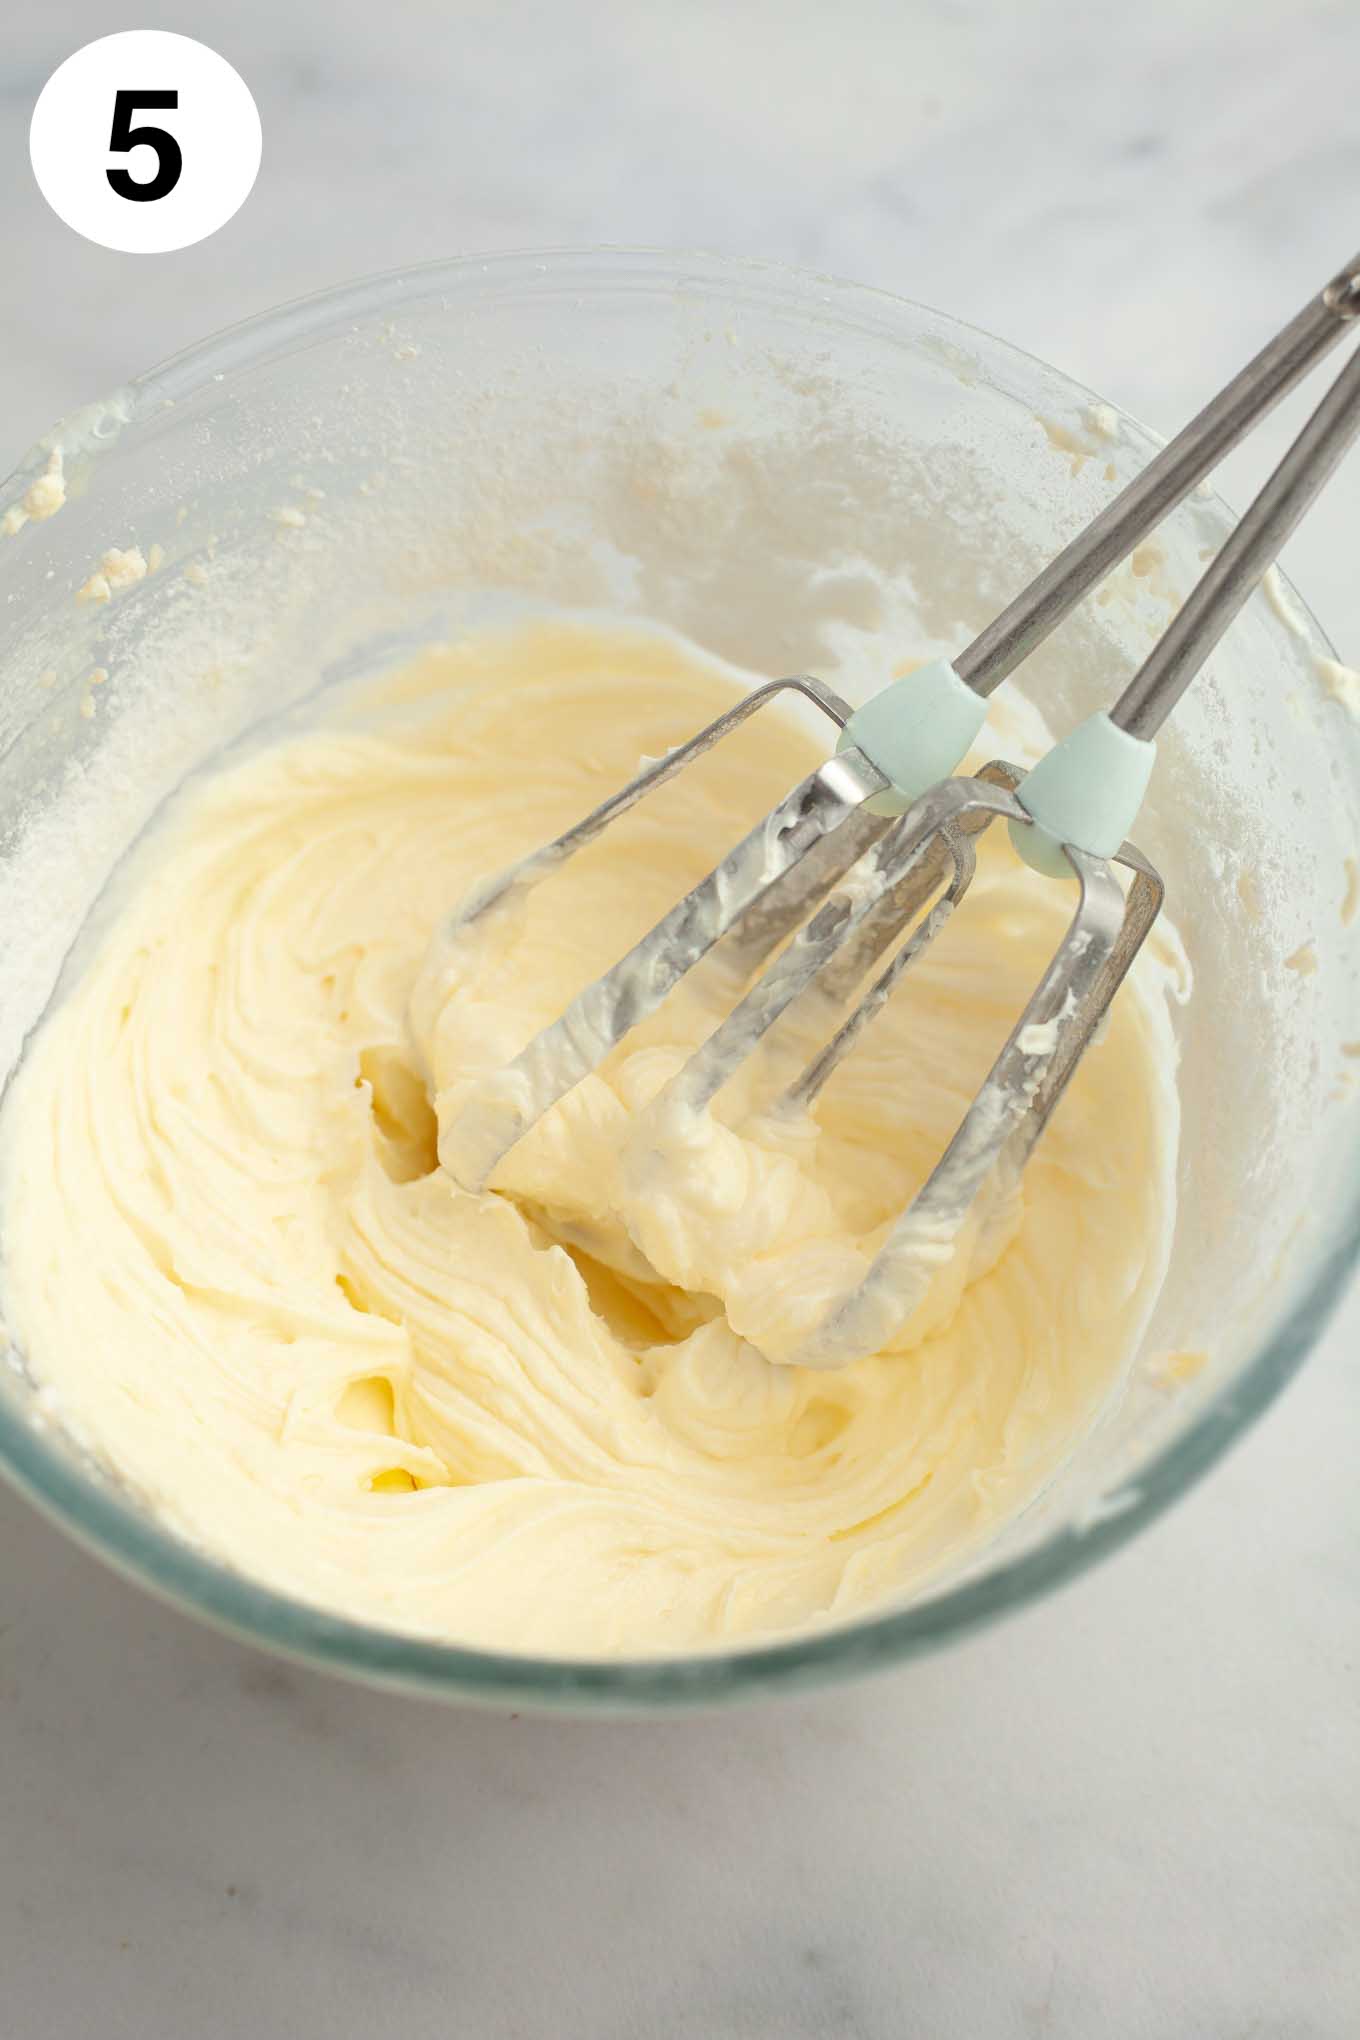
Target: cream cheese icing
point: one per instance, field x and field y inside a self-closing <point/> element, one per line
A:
<point x="528" y="1418"/>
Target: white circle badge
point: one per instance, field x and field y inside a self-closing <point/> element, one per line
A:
<point x="145" y="141"/>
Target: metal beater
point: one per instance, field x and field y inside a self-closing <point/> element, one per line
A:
<point x="852" y="856"/>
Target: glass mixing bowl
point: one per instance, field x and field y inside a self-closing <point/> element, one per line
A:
<point x="796" y="473"/>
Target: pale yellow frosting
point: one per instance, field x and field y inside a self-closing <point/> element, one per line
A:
<point x="524" y="1418"/>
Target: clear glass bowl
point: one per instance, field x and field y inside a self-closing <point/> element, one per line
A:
<point x="795" y="472"/>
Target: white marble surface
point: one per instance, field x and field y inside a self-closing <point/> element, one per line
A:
<point x="1133" y="1812"/>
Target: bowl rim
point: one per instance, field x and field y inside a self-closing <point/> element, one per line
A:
<point x="136" y="1544"/>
